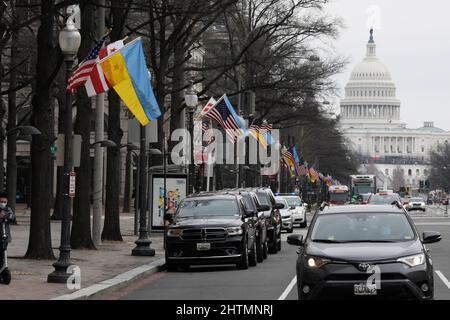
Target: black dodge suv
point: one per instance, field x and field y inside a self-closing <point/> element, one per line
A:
<point x="211" y="229"/>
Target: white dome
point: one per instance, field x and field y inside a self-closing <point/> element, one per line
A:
<point x="370" y="69"/>
<point x="370" y="95"/>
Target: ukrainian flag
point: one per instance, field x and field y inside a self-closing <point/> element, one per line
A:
<point x="126" y="71"/>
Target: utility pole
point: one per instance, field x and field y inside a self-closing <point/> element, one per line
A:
<point x="98" y="151"/>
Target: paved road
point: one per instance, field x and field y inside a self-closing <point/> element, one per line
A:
<point x="275" y="278"/>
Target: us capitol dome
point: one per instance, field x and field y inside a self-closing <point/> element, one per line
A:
<point x="370" y="121"/>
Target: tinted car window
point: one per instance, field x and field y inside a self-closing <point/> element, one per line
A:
<point x="248" y="201"/>
<point x="263" y="198"/>
<point x="207" y="207"/>
<point x="362" y="226"/>
<point x="383" y="199"/>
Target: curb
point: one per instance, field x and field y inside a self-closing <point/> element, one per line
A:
<point x="110" y="285"/>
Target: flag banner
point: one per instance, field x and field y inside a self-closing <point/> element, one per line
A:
<point x="266" y="129"/>
<point x="97" y="83"/>
<point x="255" y="131"/>
<point x="289" y="159"/>
<point x="208" y="106"/>
<point x="223" y="112"/>
<point x="126" y="71"/>
<point x="82" y="73"/>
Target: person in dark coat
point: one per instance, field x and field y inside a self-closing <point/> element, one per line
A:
<point x="6" y="214"/>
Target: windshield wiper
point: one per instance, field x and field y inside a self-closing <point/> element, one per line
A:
<point x="326" y="241"/>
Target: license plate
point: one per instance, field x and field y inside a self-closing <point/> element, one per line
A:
<point x="203" y="246"/>
<point x="365" y="290"/>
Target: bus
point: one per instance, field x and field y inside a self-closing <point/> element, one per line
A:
<point x="338" y="194"/>
<point x="363" y="184"/>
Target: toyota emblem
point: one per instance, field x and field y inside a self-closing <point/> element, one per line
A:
<point x="364" y="266"/>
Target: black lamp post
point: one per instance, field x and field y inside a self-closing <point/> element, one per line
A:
<point x="191" y="101"/>
<point x="69" y="41"/>
<point x="143" y="243"/>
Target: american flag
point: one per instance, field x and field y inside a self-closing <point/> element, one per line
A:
<point x="224" y="116"/>
<point x="81" y="74"/>
<point x="208" y="136"/>
<point x="288" y="159"/>
<point x="97" y="83"/>
<point x="257" y="132"/>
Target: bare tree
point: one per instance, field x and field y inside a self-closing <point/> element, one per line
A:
<point x="398" y="179"/>
<point x="440" y="167"/>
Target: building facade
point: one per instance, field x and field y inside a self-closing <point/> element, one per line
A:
<point x="370" y="121"/>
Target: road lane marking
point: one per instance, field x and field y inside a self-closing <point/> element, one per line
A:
<point x="288" y="289"/>
<point x="443" y="278"/>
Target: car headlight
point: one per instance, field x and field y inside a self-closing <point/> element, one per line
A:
<point x="234" y="231"/>
<point x="315" y="262"/>
<point x="174" y="232"/>
<point x="413" y="261"/>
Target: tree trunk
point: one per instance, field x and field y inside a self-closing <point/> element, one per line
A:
<point x="48" y="61"/>
<point x="111" y="227"/>
<point x="11" y="162"/>
<point x="81" y="223"/>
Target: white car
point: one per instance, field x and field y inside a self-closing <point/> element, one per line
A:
<point x="287" y="218"/>
<point x="416" y="204"/>
<point x="299" y="210"/>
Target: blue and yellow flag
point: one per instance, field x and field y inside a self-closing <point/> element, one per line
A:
<point x="126" y="71"/>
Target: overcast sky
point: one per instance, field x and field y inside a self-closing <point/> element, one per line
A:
<point x="413" y="41"/>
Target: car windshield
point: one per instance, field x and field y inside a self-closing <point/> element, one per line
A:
<point x="362" y="227"/>
<point x="200" y="208"/>
<point x="383" y="199"/>
<point x="263" y="198"/>
<point x="416" y="200"/>
<point x="293" y="201"/>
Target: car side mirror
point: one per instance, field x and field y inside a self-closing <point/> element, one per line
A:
<point x="249" y="214"/>
<point x="168" y="217"/>
<point x="263" y="207"/>
<point x="431" y="237"/>
<point x="278" y="206"/>
<point x="295" y="240"/>
<point x="293" y="207"/>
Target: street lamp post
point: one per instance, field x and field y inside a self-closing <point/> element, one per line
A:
<point x="69" y="41"/>
<point x="191" y="101"/>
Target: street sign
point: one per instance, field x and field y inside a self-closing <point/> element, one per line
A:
<point x="76" y="150"/>
<point x="72" y="184"/>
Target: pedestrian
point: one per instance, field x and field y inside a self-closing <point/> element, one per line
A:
<point x="6" y="214"/>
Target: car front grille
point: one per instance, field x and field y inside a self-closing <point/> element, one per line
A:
<point x="203" y="234"/>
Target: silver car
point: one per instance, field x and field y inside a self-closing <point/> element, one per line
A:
<point x="298" y="210"/>
<point x="416" y="204"/>
<point x="287" y="218"/>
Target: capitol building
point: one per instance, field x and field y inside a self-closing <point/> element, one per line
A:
<point x="370" y="121"/>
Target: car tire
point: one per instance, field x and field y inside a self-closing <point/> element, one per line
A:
<point x="171" y="267"/>
<point x="273" y="248"/>
<point x="265" y="250"/>
<point x="291" y="229"/>
<point x="279" y="245"/>
<point x="6" y="277"/>
<point x="259" y="251"/>
<point x="252" y="257"/>
<point x="304" y="224"/>
<point x="243" y="265"/>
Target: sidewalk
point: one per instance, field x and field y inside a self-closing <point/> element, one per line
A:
<point x="29" y="277"/>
